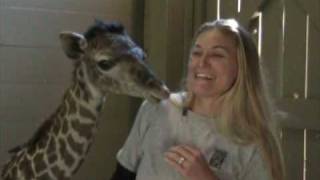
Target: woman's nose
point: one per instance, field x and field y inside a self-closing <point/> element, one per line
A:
<point x="203" y="60"/>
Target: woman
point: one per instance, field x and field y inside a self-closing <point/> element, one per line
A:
<point x="219" y="128"/>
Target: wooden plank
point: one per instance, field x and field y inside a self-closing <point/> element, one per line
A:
<point x="314" y="62"/>
<point x="312" y="7"/>
<point x="228" y="8"/>
<point x="294" y="51"/>
<point x="313" y="155"/>
<point x="83" y="6"/>
<point x="164" y="38"/>
<point x="138" y="21"/>
<point x="199" y="15"/>
<point x="175" y="48"/>
<point x="271" y="53"/>
<point x="188" y="30"/>
<point x="293" y="140"/>
<point x="300" y="113"/>
<point x="248" y="7"/>
<point x="155" y="35"/>
<point x="211" y="10"/>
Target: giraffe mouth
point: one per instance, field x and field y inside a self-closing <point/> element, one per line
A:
<point x="158" y="94"/>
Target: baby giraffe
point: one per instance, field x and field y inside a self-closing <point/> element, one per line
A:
<point x="105" y="60"/>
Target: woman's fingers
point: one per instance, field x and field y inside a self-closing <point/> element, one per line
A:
<point x="181" y="158"/>
<point x="173" y="159"/>
<point x="182" y="151"/>
<point x="189" y="162"/>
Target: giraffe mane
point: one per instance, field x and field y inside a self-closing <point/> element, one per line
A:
<point x="100" y="28"/>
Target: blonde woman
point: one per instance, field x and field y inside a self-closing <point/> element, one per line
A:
<point x="218" y="128"/>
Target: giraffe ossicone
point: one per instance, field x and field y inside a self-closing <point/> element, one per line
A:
<point x="105" y="61"/>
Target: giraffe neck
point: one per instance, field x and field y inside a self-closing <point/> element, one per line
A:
<point x="76" y="124"/>
<point x="59" y="147"/>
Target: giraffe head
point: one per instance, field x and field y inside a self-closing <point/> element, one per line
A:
<point x="107" y="58"/>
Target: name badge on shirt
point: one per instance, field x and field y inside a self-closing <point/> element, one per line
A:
<point x="218" y="158"/>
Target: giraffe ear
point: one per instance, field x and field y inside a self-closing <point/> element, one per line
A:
<point x="73" y="44"/>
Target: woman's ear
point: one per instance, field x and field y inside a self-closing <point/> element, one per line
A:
<point x="73" y="44"/>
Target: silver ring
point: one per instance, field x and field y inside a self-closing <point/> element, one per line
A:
<point x="181" y="160"/>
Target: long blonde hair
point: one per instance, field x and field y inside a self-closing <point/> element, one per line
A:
<point x="246" y="114"/>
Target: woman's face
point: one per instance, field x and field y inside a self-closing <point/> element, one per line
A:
<point x="213" y="67"/>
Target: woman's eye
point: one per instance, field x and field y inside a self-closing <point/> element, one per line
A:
<point x="106" y="64"/>
<point x="196" y="53"/>
<point x="217" y="55"/>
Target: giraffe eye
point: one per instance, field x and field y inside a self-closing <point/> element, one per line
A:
<point x="106" y="64"/>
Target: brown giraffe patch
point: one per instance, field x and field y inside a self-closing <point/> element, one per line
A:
<point x="77" y="90"/>
<point x="76" y="147"/>
<point x="84" y="92"/>
<point x="57" y="126"/>
<point x="40" y="164"/>
<point x="66" y="105"/>
<point x="81" y="85"/>
<point x="53" y="157"/>
<point x="26" y="167"/>
<point x="44" y="176"/>
<point x="84" y="130"/>
<point x="58" y="173"/>
<point x="86" y="96"/>
<point x="51" y="146"/>
<point x="65" y="127"/>
<point x="80" y="73"/>
<point x="62" y="111"/>
<point x="72" y="105"/>
<point x="15" y="172"/>
<point x="32" y="150"/>
<point x="65" y="155"/>
<point x="5" y="168"/>
<point x="78" y="166"/>
<point x="84" y="112"/>
<point x="43" y="141"/>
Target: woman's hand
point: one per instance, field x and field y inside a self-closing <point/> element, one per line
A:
<point x="190" y="163"/>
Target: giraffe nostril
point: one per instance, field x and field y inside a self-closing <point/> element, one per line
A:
<point x="150" y="82"/>
<point x="143" y="77"/>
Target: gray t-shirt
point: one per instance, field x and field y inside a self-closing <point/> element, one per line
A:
<point x="160" y="126"/>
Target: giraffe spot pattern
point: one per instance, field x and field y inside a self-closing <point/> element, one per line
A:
<point x="15" y="173"/>
<point x="86" y="96"/>
<point x="56" y="126"/>
<point x="62" y="111"/>
<point x="43" y="141"/>
<point x="80" y="73"/>
<point x="44" y="176"/>
<point x="32" y="150"/>
<point x="76" y="147"/>
<point x="58" y="173"/>
<point x="65" y="155"/>
<point x="26" y="168"/>
<point x="84" y="112"/>
<point x="51" y="146"/>
<point x="65" y="127"/>
<point x="52" y="151"/>
<point x="84" y="130"/>
<point x="72" y="105"/>
<point x="78" y="166"/>
<point x="52" y="158"/>
<point x="40" y="164"/>
<point x="77" y="90"/>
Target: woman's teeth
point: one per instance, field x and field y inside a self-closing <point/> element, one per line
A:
<point x="203" y="76"/>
